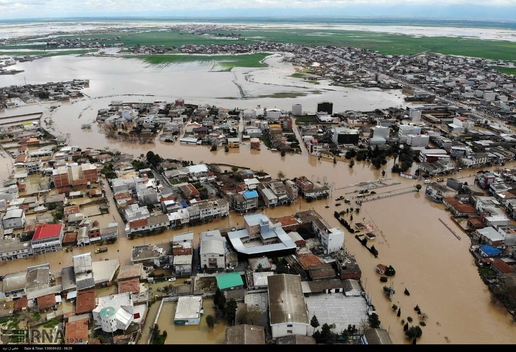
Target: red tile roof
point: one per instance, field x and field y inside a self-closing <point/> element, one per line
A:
<point x="309" y="260"/>
<point x="71" y="209"/>
<point x="129" y="285"/>
<point x="502" y="266"/>
<point x="47" y="231"/>
<point x="85" y="301"/>
<point x="21" y="303"/>
<point x="76" y="331"/>
<point x="46" y="301"/>
<point x="138" y="223"/>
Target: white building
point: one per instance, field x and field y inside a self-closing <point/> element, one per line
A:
<point x="288" y="314"/>
<point x="114" y="312"/>
<point x="415" y="115"/>
<point x="13" y="219"/>
<point x="460" y="124"/>
<point x="332" y="240"/>
<point x="213" y="250"/>
<point x="273" y="113"/>
<point x="188" y="310"/>
<point x="407" y="129"/>
<point x="297" y="109"/>
<point x="418" y="140"/>
<point x="47" y="238"/>
<point x="135" y="212"/>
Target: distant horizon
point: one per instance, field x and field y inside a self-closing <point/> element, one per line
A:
<point x="370" y="20"/>
<point x="502" y="13"/>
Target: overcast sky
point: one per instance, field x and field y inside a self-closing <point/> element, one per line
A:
<point x="472" y="9"/>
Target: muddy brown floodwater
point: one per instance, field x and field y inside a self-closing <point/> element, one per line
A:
<point x="432" y="264"/>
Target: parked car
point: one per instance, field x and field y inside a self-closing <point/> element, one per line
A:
<point x="172" y="279"/>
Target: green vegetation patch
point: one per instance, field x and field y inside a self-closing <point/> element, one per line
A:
<point x="306" y="120"/>
<point x="506" y="70"/>
<point x="384" y="43"/>
<point x="282" y="95"/>
<point x="389" y="43"/>
<point x="226" y="61"/>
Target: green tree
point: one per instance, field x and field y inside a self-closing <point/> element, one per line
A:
<point x="418" y="187"/>
<point x="374" y="321"/>
<point x="210" y="320"/>
<point x="252" y="316"/>
<point x="230" y="311"/>
<point x="390" y="271"/>
<point x="327" y="335"/>
<point x="414" y="332"/>
<point x="219" y="299"/>
<point x="314" y="322"/>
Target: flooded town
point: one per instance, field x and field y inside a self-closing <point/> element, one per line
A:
<point x="335" y="196"/>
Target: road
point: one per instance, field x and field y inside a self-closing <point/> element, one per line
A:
<point x="113" y="208"/>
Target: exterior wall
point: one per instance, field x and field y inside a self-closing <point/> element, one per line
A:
<point x="61" y="180"/>
<point x="15" y="254"/>
<point x="332" y="241"/>
<point x="213" y="261"/>
<point x="14" y="223"/>
<point x="287" y="329"/>
<point x="40" y="247"/>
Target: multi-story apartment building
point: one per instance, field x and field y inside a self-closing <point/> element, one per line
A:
<point x="47" y="238"/>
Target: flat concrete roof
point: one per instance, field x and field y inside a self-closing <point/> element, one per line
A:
<point x="337" y="309"/>
<point x="188" y="307"/>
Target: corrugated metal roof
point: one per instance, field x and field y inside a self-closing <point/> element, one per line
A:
<point x="286" y="299"/>
<point x="229" y="280"/>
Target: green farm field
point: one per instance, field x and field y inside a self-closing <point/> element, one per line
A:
<point x="384" y="43"/>
<point x="226" y="61"/>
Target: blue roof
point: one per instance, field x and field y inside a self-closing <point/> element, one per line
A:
<point x="183" y="203"/>
<point x="250" y="194"/>
<point x="490" y="250"/>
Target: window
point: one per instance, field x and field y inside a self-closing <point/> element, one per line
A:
<point x="289" y="325"/>
<point x="289" y="331"/>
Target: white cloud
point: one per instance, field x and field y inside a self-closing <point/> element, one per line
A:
<point x="60" y="8"/>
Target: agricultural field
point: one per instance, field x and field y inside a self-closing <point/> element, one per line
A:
<point x="506" y="70"/>
<point x="225" y="61"/>
<point x="384" y="43"/>
<point x="389" y="44"/>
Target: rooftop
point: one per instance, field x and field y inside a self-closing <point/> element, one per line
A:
<point x="47" y="231"/>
